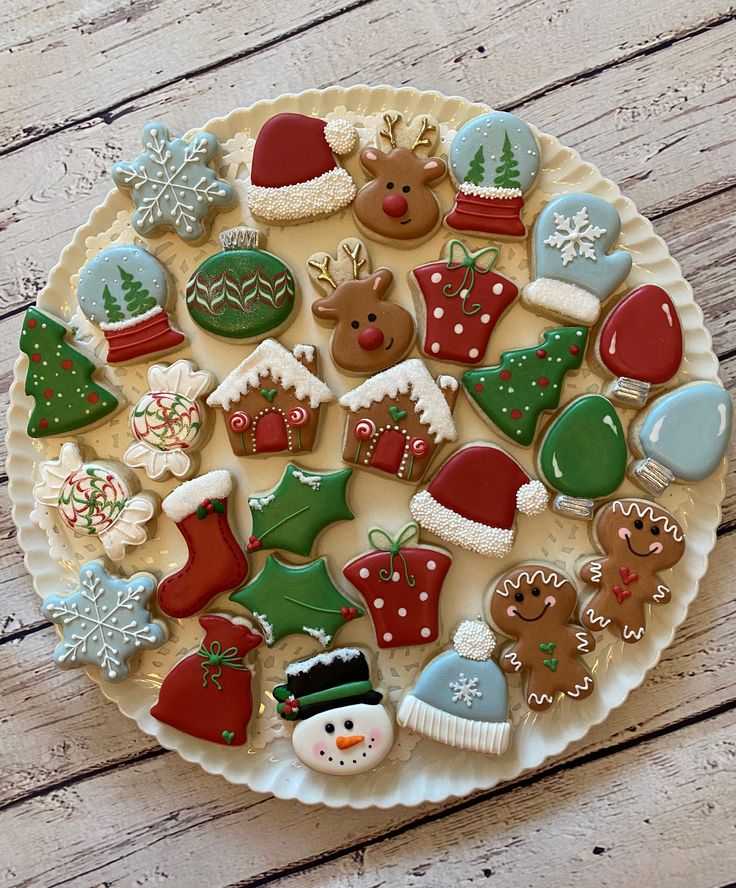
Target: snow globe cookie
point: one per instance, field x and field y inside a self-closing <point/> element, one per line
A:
<point x="341" y="726"/>
<point x="242" y="293"/>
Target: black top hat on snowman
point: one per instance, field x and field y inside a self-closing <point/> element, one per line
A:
<point x="326" y="681"/>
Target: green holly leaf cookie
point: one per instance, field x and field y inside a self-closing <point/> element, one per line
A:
<point x="293" y="514"/>
<point x="291" y="599"/>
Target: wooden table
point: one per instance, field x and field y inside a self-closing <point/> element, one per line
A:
<point x="645" y="90"/>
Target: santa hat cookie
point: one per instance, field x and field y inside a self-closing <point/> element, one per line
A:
<point x="294" y="175"/>
<point x="460" y="697"/>
<point x="473" y="499"/>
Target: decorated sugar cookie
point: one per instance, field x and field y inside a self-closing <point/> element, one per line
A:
<point x="272" y="400"/>
<point x="172" y="184"/>
<point x="208" y="694"/>
<point x="473" y="499"/>
<point x="459" y="300"/>
<point x="575" y="266"/>
<point x="294" y="513"/>
<point x="242" y="293"/>
<point x="288" y="599"/>
<point x="401" y="584"/>
<point x="682" y="436"/>
<point x="124" y="290"/>
<point x="294" y="176"/>
<point x="97" y="498"/>
<point x="534" y="604"/>
<point x="527" y="382"/>
<point x="637" y="539"/>
<point x="460" y="697"/>
<point x="215" y="562"/>
<point x="397" y="419"/>
<point x="583" y="455"/>
<point x="105" y="622"/>
<point x="640" y="345"/>
<point x="494" y="161"/>
<point x="341" y="727"/>
<point x="398" y="206"/>
<point x="168" y="424"/>
<point x="59" y="378"/>
<point x="371" y="332"/>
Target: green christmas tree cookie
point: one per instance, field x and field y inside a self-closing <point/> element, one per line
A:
<point x="59" y="379"/>
<point x="527" y="382"/>
<point x="288" y="599"/>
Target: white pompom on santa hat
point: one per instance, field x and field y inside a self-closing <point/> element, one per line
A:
<point x="473" y="499"/>
<point x="294" y="174"/>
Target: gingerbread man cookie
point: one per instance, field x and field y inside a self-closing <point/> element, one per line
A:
<point x="638" y="538"/>
<point x="534" y="604"/>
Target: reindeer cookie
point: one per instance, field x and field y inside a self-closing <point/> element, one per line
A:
<point x="371" y="333"/>
<point x="399" y="207"/>
<point x="534" y="603"/>
<point x="638" y="538"/>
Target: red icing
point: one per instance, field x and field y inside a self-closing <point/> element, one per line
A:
<point x="206" y="700"/>
<point x="642" y="337"/>
<point x="574" y="349"/>
<point x="93" y="397"/>
<point x="280" y="157"/>
<point x="48" y="393"/>
<point x="394" y="205"/>
<point x="153" y="335"/>
<point x="621" y="594"/>
<point x="505" y="375"/>
<point x="370" y="338"/>
<point x="542" y="353"/>
<point x="543" y="382"/>
<point x="32" y="324"/>
<point x="516" y="413"/>
<point x="389" y="451"/>
<point x="489" y="215"/>
<point x="271" y="435"/>
<point x="44" y="423"/>
<point x="66" y="364"/>
<point x="628" y="576"/>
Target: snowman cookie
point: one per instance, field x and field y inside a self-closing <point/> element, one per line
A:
<point x="341" y="726"/>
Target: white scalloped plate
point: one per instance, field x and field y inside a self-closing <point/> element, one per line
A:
<point x="416" y="771"/>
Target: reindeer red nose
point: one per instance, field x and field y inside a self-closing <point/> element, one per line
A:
<point x="394" y="205"/>
<point x="370" y="338"/>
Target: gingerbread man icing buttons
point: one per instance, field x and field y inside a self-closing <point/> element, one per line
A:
<point x="398" y="206"/>
<point x="535" y="605"/>
<point x="172" y="185"/>
<point x="371" y="332"/>
<point x="638" y="539"/>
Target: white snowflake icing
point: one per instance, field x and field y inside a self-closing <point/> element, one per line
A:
<point x="578" y="233"/>
<point x="105" y="621"/>
<point x="466" y="689"/>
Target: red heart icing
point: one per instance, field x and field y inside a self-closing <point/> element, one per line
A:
<point x="621" y="594"/>
<point x="628" y="576"/>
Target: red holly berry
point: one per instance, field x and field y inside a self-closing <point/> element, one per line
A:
<point x="574" y="349"/>
<point x="349" y="613"/>
<point x="505" y="374"/>
<point x="253" y="543"/>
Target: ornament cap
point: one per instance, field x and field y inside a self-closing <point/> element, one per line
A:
<point x="651" y="475"/>
<point x="573" y="506"/>
<point x="628" y="392"/>
<point x="240" y="238"/>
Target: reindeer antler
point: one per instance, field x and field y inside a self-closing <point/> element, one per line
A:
<point x="390" y="120"/>
<point x="426" y="127"/>
<point x="322" y="265"/>
<point x="353" y="254"/>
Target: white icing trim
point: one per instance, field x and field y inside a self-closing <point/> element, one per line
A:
<point x="54" y="472"/>
<point x="180" y="378"/>
<point x="540" y="698"/>
<point x="129" y="527"/>
<point x="532" y="498"/>
<point x="325" y="659"/>
<point x="596" y="620"/>
<point x="453" y="730"/>
<point x="583" y="642"/>
<point x="184" y="500"/>
<point x="270" y="359"/>
<point x="489" y="191"/>
<point x="579" y="688"/>
<point x="131" y="322"/>
<point x="266" y="627"/>
<point x="595" y="568"/>
<point x="304" y="351"/>
<point x="156" y="463"/>
<point x="318" y="634"/>
<point x="448" y="382"/>
<point x="661" y="592"/>
<point x="494" y="542"/>
<point x="413" y="379"/>
<point x="341" y="135"/>
<point x="646" y="510"/>
<point x="525" y="577"/>
<point x="321" y="196"/>
<point x="562" y="300"/>
<point x="636" y="634"/>
<point x="513" y="658"/>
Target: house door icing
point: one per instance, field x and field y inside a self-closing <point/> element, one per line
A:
<point x="389" y="451"/>
<point x="271" y="435"/>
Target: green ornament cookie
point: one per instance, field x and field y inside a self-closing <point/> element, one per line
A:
<point x="291" y="599"/>
<point x="242" y="293"/>
<point x="527" y="382"/>
<point x="294" y="513"/>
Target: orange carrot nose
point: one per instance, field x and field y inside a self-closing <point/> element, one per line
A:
<point x="347" y="742"/>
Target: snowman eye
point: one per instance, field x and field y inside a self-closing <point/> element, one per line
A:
<point x="348" y="725"/>
<point x="330" y="728"/>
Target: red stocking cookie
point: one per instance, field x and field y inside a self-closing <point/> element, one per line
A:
<point x="638" y="538"/>
<point x="534" y="604"/>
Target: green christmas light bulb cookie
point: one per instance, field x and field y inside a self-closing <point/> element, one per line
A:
<point x="527" y="382"/>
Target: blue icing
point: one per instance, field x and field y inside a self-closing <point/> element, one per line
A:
<point x="688" y="430"/>
<point x="120" y="269"/>
<point x="488" y="132"/>
<point x="483" y="676"/>
<point x="581" y="260"/>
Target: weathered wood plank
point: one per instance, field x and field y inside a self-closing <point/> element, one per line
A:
<point x="97" y="61"/>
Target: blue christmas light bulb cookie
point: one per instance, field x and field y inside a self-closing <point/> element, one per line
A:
<point x="681" y="437"/>
<point x="574" y="272"/>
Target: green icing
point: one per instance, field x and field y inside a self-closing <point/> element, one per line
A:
<point x="137" y="299"/>
<point x="527" y="382"/>
<point x="475" y="172"/>
<point x="289" y="599"/>
<point x="293" y="514"/>
<point x="584" y="451"/>
<point x="507" y="173"/>
<point x="59" y="379"/>
<point x="241" y="294"/>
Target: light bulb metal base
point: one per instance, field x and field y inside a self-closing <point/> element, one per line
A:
<point x="573" y="506"/>
<point x="651" y="475"/>
<point x="240" y="238"/>
<point x="628" y="392"/>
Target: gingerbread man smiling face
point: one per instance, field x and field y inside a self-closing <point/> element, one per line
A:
<point x="638" y="538"/>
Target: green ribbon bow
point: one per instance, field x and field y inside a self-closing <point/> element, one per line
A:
<point x="383" y="542"/>
<point x="459" y="256"/>
<point x="215" y="659"/>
